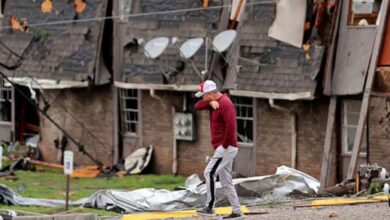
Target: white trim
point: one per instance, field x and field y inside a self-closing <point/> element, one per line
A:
<point x="344" y="129"/>
<point x="194" y="88"/>
<point x="47" y="83"/>
<point x="184" y="88"/>
<point x="272" y="95"/>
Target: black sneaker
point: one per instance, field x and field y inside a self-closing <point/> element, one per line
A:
<point x="234" y="216"/>
<point x="206" y="212"/>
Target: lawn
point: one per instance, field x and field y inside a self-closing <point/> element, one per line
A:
<point x="51" y="185"/>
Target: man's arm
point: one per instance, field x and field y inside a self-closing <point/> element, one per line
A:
<point x="202" y="105"/>
<point x="229" y="117"/>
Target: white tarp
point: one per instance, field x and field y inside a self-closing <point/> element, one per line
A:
<point x="289" y="22"/>
<point x="285" y="182"/>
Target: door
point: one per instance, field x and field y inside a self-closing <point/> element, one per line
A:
<point x="130" y="115"/>
<point x="245" y="162"/>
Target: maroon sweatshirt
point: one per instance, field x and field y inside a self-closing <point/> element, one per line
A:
<point x="222" y="122"/>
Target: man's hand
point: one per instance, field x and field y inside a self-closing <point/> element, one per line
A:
<point x="214" y="105"/>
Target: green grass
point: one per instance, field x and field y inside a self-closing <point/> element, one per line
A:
<point x="52" y="185"/>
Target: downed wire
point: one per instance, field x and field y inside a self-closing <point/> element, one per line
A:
<point x="79" y="145"/>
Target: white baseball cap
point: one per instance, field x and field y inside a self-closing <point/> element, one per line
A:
<point x="206" y="87"/>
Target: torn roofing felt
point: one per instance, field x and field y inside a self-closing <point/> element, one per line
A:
<point x="265" y="65"/>
<point x="68" y="51"/>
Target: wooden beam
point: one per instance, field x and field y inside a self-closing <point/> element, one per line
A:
<point x="366" y="97"/>
<point x="293" y="140"/>
<point x="328" y="143"/>
<point x="332" y="49"/>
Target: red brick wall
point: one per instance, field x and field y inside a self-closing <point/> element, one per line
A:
<point x="94" y="108"/>
<point x="273" y="136"/>
<point x="379" y="137"/>
<point x="157" y="131"/>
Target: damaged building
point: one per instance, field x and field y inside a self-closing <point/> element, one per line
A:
<point x="62" y="67"/>
<point x="275" y="86"/>
<point x="298" y="81"/>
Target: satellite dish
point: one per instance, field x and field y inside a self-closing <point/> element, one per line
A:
<point x="155" y="47"/>
<point x="190" y="47"/>
<point x="223" y="40"/>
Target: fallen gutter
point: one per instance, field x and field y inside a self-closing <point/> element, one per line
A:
<point x="47" y="83"/>
<point x="293" y="118"/>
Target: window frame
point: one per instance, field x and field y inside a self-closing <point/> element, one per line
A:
<point x="6" y="90"/>
<point x="253" y="119"/>
<point x="345" y="126"/>
<point x="350" y="17"/>
<point x="125" y="123"/>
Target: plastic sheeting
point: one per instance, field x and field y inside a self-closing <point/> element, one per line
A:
<point x="286" y="181"/>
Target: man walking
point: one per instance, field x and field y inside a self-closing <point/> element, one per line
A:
<point x="224" y="141"/>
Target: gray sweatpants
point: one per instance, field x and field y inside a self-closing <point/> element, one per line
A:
<point x="221" y="164"/>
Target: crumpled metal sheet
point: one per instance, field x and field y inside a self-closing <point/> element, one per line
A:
<point x="285" y="182"/>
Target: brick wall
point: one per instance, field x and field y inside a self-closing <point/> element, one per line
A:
<point x="273" y="147"/>
<point x="379" y="133"/>
<point x="157" y="131"/>
<point x="274" y="137"/>
<point x="94" y="109"/>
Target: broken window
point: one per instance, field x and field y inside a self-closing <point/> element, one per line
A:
<point x="364" y="12"/>
<point x="245" y="119"/>
<point x="351" y="114"/>
<point x="129" y="110"/>
<point x="5" y="102"/>
<point x="124" y="8"/>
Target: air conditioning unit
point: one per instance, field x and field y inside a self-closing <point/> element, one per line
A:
<point x="363" y="6"/>
<point x="184" y="126"/>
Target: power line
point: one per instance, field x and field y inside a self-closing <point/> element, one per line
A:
<point x="55" y="99"/>
<point x="138" y="15"/>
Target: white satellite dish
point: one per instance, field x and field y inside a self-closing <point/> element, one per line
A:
<point x="155" y="47"/>
<point x="190" y="47"/>
<point x="223" y="40"/>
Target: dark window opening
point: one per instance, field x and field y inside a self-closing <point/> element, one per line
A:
<point x="245" y="119"/>
<point x="27" y="117"/>
<point x="129" y="110"/>
<point x="363" y="12"/>
<point x="5" y="102"/>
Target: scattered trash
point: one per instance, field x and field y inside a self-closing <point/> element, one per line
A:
<point x="332" y="215"/>
<point x="369" y="179"/>
<point x="87" y="172"/>
<point x="138" y="160"/>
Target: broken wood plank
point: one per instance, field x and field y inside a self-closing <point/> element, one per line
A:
<point x="366" y="98"/>
<point x="328" y="143"/>
<point x="51" y="165"/>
